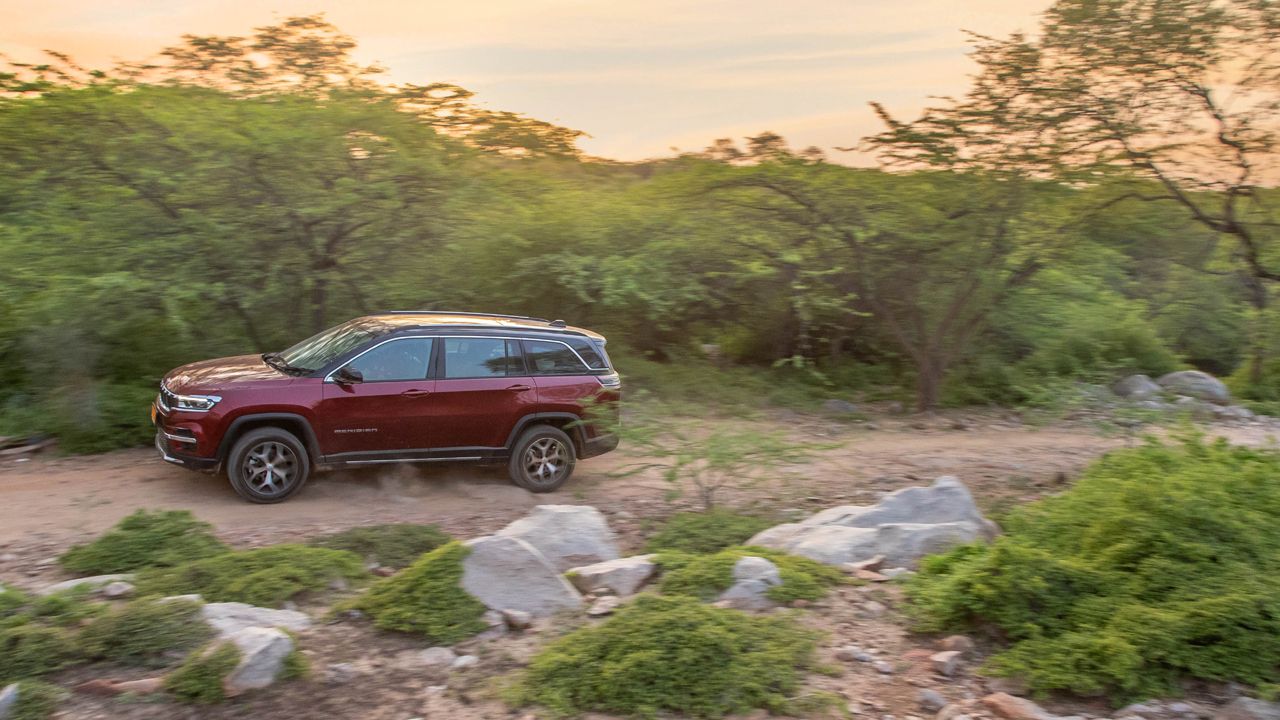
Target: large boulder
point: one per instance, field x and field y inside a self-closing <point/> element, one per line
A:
<point x="752" y="578"/>
<point x="507" y="573"/>
<point x="1136" y="387"/>
<point x="92" y="582"/>
<point x="903" y="527"/>
<point x="567" y="535"/>
<point x="8" y="700"/>
<point x="1246" y="708"/>
<point x="229" y="618"/>
<point x="1196" y="384"/>
<point x="623" y="576"/>
<point x="262" y="658"/>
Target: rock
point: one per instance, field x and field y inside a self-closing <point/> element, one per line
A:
<point x="1139" y="709"/>
<point x="231" y="617"/>
<point x="182" y="598"/>
<point x="117" y="589"/>
<point x="8" y="700"/>
<point x="604" y="606"/>
<point x="1136" y="387"/>
<point x="464" y="661"/>
<point x="872" y="608"/>
<point x="895" y="573"/>
<point x="1015" y="708"/>
<point x="1232" y="412"/>
<point x="1008" y="686"/>
<point x="340" y="673"/>
<point x="871" y="565"/>
<point x="1181" y="708"/>
<point x="883" y="667"/>
<point x="905" y="543"/>
<point x="946" y="662"/>
<point x="932" y="700"/>
<point x="1196" y="384"/>
<point x="262" y="655"/>
<point x="848" y="653"/>
<point x="568" y="536"/>
<point x="517" y="619"/>
<point x="839" y="407"/>
<point x="752" y="578"/>
<point x="1246" y="708"/>
<point x="439" y="655"/>
<point x="950" y="711"/>
<point x="958" y="643"/>
<point x="93" y="582"/>
<point x="623" y="576"/>
<point x="507" y="573"/>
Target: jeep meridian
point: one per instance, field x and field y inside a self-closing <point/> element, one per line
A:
<point x="390" y="388"/>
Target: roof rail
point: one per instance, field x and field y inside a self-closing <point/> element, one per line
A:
<point x="459" y="312"/>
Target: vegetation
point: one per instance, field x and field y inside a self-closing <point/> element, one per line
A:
<point x="705" y="532"/>
<point x="265" y="576"/>
<point x="706" y="576"/>
<point x="145" y="539"/>
<point x="394" y="545"/>
<point x="27" y="651"/>
<point x="1161" y="563"/>
<point x="640" y="661"/>
<point x="199" y="678"/>
<point x="426" y="599"/>
<point x="143" y="632"/>
<point x="36" y="700"/>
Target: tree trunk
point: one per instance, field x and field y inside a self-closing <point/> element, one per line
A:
<point x="1258" y="298"/>
<point x="929" y="375"/>
<point x="319" y="296"/>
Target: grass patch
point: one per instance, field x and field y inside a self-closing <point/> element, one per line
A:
<point x="145" y="631"/>
<point x="393" y="545"/>
<point x="705" y="532"/>
<point x="199" y="678"/>
<point x="670" y="654"/>
<point x="145" y="539"/>
<point x="36" y="700"/>
<point x="266" y="576"/>
<point x="1161" y="563"/>
<point x="706" y="576"/>
<point x="28" y="651"/>
<point x="426" y="599"/>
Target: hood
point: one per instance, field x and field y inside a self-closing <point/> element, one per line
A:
<point x="212" y="376"/>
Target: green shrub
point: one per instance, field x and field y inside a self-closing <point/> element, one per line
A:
<point x="266" y="576"/>
<point x="36" y="700"/>
<point x="706" y="576"/>
<point x="427" y="598"/>
<point x="705" y="532"/>
<point x="1161" y="563"/>
<point x="145" y="539"/>
<point x="30" y="650"/>
<point x="670" y="654"/>
<point x="142" y="632"/>
<point x="66" y="608"/>
<point x="199" y="678"/>
<point x="394" y="545"/>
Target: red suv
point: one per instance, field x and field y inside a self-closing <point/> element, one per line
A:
<point x="390" y="388"/>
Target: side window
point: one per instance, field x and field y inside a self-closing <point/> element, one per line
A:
<point x="467" y="357"/>
<point x="551" y="358"/>
<point x="587" y="350"/>
<point x="405" y="359"/>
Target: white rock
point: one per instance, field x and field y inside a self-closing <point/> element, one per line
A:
<point x="604" y="606"/>
<point x="433" y="656"/>
<point x="1196" y="384"/>
<point x="465" y="661"/>
<point x="507" y="573"/>
<point x="1136" y="387"/>
<point x="262" y="656"/>
<point x="568" y="536"/>
<point x="623" y="576"/>
<point x="117" y="589"/>
<point x="946" y="501"/>
<point x="1246" y="708"/>
<point x="752" y="578"/>
<point x="945" y="662"/>
<point x="93" y="582"/>
<point x="517" y="619"/>
<point x="232" y="617"/>
<point x="8" y="700"/>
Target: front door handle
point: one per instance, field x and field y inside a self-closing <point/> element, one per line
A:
<point x="415" y="393"/>
<point x="519" y="388"/>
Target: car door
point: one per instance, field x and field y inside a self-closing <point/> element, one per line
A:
<point x="482" y="389"/>
<point x="388" y="412"/>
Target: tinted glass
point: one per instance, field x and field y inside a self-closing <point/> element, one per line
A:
<point x="588" y="351"/>
<point x="319" y="350"/>
<point x="406" y="359"/>
<point x="478" y="358"/>
<point x="551" y="358"/>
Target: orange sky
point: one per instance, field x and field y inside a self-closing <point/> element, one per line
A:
<point x="640" y="77"/>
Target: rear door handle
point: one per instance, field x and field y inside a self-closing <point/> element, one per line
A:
<point x="415" y="393"/>
<point x="519" y="388"/>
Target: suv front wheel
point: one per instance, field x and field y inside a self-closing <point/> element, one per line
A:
<point x="267" y="465"/>
<point x="542" y="460"/>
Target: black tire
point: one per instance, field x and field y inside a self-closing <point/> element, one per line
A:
<point x="268" y="447"/>
<point x="542" y="459"/>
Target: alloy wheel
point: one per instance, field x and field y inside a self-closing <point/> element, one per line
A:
<point x="546" y="460"/>
<point x="270" y="468"/>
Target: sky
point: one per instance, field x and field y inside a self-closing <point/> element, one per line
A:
<point x="641" y="78"/>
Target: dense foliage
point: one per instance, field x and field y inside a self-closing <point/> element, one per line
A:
<point x="199" y="678"/>
<point x="144" y="632"/>
<point x="145" y="539"/>
<point x="1161" y="563"/>
<point x="705" y="532"/>
<point x="394" y="545"/>
<point x="706" y="576"/>
<point x="427" y="599"/>
<point x="671" y="655"/>
<point x="264" y="576"/>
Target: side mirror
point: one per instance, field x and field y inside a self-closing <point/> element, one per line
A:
<point x="348" y="375"/>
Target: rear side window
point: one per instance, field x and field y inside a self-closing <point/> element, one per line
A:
<point x="589" y="352"/>
<point x="467" y="357"/>
<point x="552" y="358"/>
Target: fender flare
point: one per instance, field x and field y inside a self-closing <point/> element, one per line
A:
<point x="308" y="434"/>
<point x="576" y="434"/>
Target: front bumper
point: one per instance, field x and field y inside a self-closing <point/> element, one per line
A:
<point x="599" y="445"/>
<point x="169" y="454"/>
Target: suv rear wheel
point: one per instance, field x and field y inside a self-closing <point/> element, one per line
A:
<point x="542" y="459"/>
<point x="267" y="465"/>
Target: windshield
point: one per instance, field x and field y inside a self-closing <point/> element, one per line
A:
<point x="319" y="350"/>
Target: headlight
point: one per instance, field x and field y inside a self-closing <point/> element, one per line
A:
<point x="196" y="403"/>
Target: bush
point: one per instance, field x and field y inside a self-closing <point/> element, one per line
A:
<point x="705" y="532"/>
<point x="675" y="655"/>
<point x="142" y="632"/>
<point x="36" y="700"/>
<point x="1162" y="562"/>
<point x="427" y="598"/>
<point x="394" y="546"/>
<point x="199" y="678"/>
<point x="145" y="539"/>
<point x="65" y="609"/>
<point x="30" y="650"/>
<point x="266" y="576"/>
<point x="706" y="576"/>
